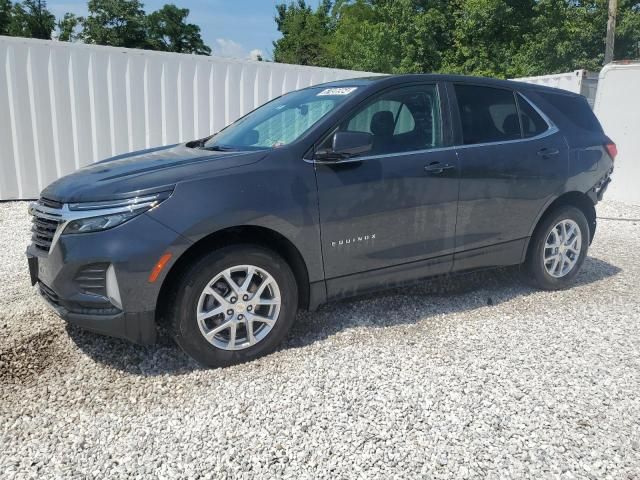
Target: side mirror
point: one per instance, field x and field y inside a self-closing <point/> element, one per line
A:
<point x="345" y="145"/>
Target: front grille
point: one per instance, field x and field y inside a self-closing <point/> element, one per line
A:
<point x="91" y="279"/>
<point x="47" y="216"/>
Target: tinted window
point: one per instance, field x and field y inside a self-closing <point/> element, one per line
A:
<point x="487" y="114"/>
<point x="401" y="120"/>
<point x="532" y="123"/>
<point x="280" y="121"/>
<point x="574" y="110"/>
<point x="406" y="123"/>
<point x="288" y="124"/>
<point x="361" y="121"/>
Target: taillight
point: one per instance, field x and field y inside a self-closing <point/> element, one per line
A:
<point x="612" y="150"/>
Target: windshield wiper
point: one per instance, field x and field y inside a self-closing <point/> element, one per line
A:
<point x="218" y="148"/>
<point x="199" y="143"/>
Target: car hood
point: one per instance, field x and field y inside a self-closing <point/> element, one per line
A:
<point x="143" y="172"/>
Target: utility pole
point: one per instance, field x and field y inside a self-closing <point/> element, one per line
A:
<point x="611" y="31"/>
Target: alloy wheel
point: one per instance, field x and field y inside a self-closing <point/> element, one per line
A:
<point x="562" y="248"/>
<point x="238" y="307"/>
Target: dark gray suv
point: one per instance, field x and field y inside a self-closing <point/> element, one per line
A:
<point x="323" y="193"/>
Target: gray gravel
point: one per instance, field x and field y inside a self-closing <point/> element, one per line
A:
<point x="470" y="377"/>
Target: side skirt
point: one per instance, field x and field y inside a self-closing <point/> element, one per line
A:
<point x="498" y="255"/>
<point x="385" y="278"/>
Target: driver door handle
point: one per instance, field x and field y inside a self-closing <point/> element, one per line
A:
<point x="548" y="152"/>
<point x="437" y="167"/>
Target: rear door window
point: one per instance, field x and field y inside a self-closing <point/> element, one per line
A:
<point x="487" y="114"/>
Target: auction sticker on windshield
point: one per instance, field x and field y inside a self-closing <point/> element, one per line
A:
<point x="337" y="91"/>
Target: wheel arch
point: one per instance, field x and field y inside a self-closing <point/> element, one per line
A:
<point x="576" y="199"/>
<point x="259" y="236"/>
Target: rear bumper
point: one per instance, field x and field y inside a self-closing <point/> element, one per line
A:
<point x="596" y="193"/>
<point x="135" y="327"/>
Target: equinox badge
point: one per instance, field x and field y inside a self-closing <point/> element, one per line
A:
<point x="349" y="241"/>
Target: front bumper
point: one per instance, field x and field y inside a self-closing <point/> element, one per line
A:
<point x="136" y="327"/>
<point x="131" y="249"/>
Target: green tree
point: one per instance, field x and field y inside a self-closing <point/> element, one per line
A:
<point x="504" y="38"/>
<point x="170" y="32"/>
<point x="5" y="16"/>
<point x="119" y="23"/>
<point x="627" y="44"/>
<point x="391" y="36"/>
<point x="305" y="33"/>
<point x="68" y="27"/>
<point x="565" y="36"/>
<point x="32" y="19"/>
<point x="487" y="34"/>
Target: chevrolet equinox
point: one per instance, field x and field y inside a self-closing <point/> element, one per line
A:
<point x="323" y="193"/>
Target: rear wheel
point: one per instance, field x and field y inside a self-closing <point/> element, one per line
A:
<point x="558" y="248"/>
<point x="234" y="305"/>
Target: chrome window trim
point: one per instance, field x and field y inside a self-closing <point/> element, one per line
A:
<point x="551" y="130"/>
<point x="543" y="115"/>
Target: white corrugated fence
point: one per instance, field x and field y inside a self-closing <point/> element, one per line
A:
<point x="578" y="81"/>
<point x="66" y="105"/>
<point x="618" y="109"/>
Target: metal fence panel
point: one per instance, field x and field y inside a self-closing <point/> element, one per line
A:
<point x="578" y="81"/>
<point x="618" y="109"/>
<point x="65" y="105"/>
<point x="571" y="81"/>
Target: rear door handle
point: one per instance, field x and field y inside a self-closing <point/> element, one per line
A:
<point x="548" y="152"/>
<point x="437" y="167"/>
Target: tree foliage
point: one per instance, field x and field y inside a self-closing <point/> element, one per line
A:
<point x="170" y="32"/>
<point x="504" y="38"/>
<point x="118" y="23"/>
<point x="68" y="27"/>
<point x="5" y="16"/>
<point x="31" y="19"/>
<point x="396" y="36"/>
<point x="305" y="33"/>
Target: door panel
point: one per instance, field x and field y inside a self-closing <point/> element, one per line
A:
<point x="386" y="211"/>
<point x="503" y="184"/>
<point x="395" y="204"/>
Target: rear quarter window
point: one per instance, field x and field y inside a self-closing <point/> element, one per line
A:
<point x="571" y="112"/>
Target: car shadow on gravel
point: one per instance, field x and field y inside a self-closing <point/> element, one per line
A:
<point x="399" y="306"/>
<point x="441" y="295"/>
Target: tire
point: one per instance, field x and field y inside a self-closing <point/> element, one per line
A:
<point x="548" y="275"/>
<point x="187" y="322"/>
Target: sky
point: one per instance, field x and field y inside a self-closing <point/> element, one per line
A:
<point x="232" y="28"/>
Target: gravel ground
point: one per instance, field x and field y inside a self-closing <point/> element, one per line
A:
<point x="470" y="377"/>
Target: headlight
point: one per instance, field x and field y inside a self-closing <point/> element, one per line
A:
<point x="97" y="216"/>
<point x="93" y="224"/>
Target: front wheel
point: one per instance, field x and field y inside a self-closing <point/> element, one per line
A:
<point x="558" y="248"/>
<point x="234" y="305"/>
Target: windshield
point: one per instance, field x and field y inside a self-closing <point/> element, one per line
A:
<point x="281" y="121"/>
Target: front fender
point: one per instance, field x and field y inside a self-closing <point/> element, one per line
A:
<point x="278" y="193"/>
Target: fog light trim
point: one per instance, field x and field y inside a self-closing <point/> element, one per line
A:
<point x="113" y="292"/>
